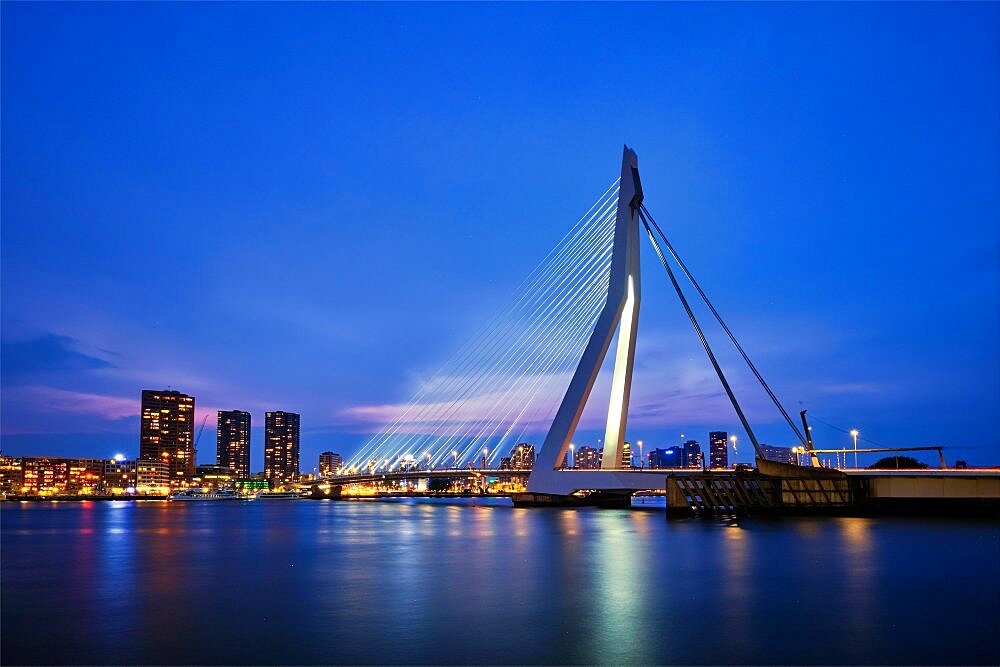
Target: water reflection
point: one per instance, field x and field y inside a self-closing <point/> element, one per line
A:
<point x="471" y="582"/>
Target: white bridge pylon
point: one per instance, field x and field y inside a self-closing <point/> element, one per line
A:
<point x="620" y="311"/>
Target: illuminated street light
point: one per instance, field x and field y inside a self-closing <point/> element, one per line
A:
<point x="572" y="459"/>
<point x="854" y="434"/>
<point x="732" y="439"/>
<point x="454" y="463"/>
<point x="641" y="461"/>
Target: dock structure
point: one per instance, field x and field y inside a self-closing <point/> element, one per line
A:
<point x="781" y="488"/>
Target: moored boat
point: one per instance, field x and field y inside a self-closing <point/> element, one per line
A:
<point x="199" y="495"/>
<point x="278" y="495"/>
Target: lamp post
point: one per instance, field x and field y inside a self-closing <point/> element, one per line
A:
<point x="454" y="455"/>
<point x="641" y="461"/>
<point x="854" y="434"/>
<point x="732" y="439"/>
<point x="572" y="460"/>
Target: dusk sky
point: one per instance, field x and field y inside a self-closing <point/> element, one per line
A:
<point x="309" y="207"/>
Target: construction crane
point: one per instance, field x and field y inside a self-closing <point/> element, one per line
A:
<point x="197" y="439"/>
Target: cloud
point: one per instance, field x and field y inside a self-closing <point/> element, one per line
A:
<point x="47" y="353"/>
<point x="52" y="400"/>
<point x="852" y="388"/>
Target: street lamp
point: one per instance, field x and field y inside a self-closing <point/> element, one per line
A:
<point x="454" y="462"/>
<point x="732" y="439"/>
<point x="572" y="459"/>
<point x="854" y="434"/>
<point x="641" y="462"/>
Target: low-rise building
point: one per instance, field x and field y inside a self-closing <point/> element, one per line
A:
<point x="152" y="476"/>
<point x="214" y="476"/>
<point x="119" y="476"/>
<point x="11" y="475"/>
<point x="522" y="457"/>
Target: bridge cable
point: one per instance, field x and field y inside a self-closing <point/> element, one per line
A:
<point x="454" y="380"/>
<point x="725" y="328"/>
<point x="701" y="337"/>
<point x="522" y="351"/>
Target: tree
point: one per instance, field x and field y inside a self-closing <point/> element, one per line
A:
<point x="897" y="462"/>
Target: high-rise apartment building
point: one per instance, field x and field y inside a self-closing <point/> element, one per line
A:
<point x="281" y="446"/>
<point x="232" y="448"/>
<point x="330" y="464"/>
<point x="167" y="432"/>
<point x="718" y="449"/>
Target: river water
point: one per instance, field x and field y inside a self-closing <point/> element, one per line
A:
<point x="459" y="582"/>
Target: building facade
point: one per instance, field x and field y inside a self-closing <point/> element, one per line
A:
<point x="626" y="461"/>
<point x="281" y="446"/>
<point x="692" y="454"/>
<point x="587" y="458"/>
<point x="672" y="457"/>
<point x="152" y="476"/>
<point x="780" y="454"/>
<point x="214" y="476"/>
<point x="522" y="457"/>
<point x="119" y="476"/>
<point x="718" y="449"/>
<point x="232" y="449"/>
<point x="11" y="475"/>
<point x="330" y="464"/>
<point x="167" y="432"/>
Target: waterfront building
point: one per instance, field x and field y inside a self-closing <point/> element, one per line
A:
<point x="692" y="454"/>
<point x="167" y="432"/>
<point x="51" y="476"/>
<point x="214" y="476"/>
<point x="11" y="474"/>
<point x="718" y="449"/>
<point x="626" y="461"/>
<point x="84" y="477"/>
<point x="152" y="476"/>
<point x="252" y="484"/>
<point x="522" y="457"/>
<point x="504" y="463"/>
<point x="119" y="476"/>
<point x="780" y="454"/>
<point x="586" y="458"/>
<point x="232" y="449"/>
<point x="44" y="475"/>
<point x="672" y="457"/>
<point x="330" y="464"/>
<point x="281" y="446"/>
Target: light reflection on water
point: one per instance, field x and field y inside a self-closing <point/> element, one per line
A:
<point x="471" y="582"/>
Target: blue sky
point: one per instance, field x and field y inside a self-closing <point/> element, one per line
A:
<point x="309" y="206"/>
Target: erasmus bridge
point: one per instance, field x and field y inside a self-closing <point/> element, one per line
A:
<point x="530" y="371"/>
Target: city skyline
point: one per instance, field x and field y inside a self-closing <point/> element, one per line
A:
<point x="751" y="181"/>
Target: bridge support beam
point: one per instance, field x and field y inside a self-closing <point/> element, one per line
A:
<point x="621" y="308"/>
